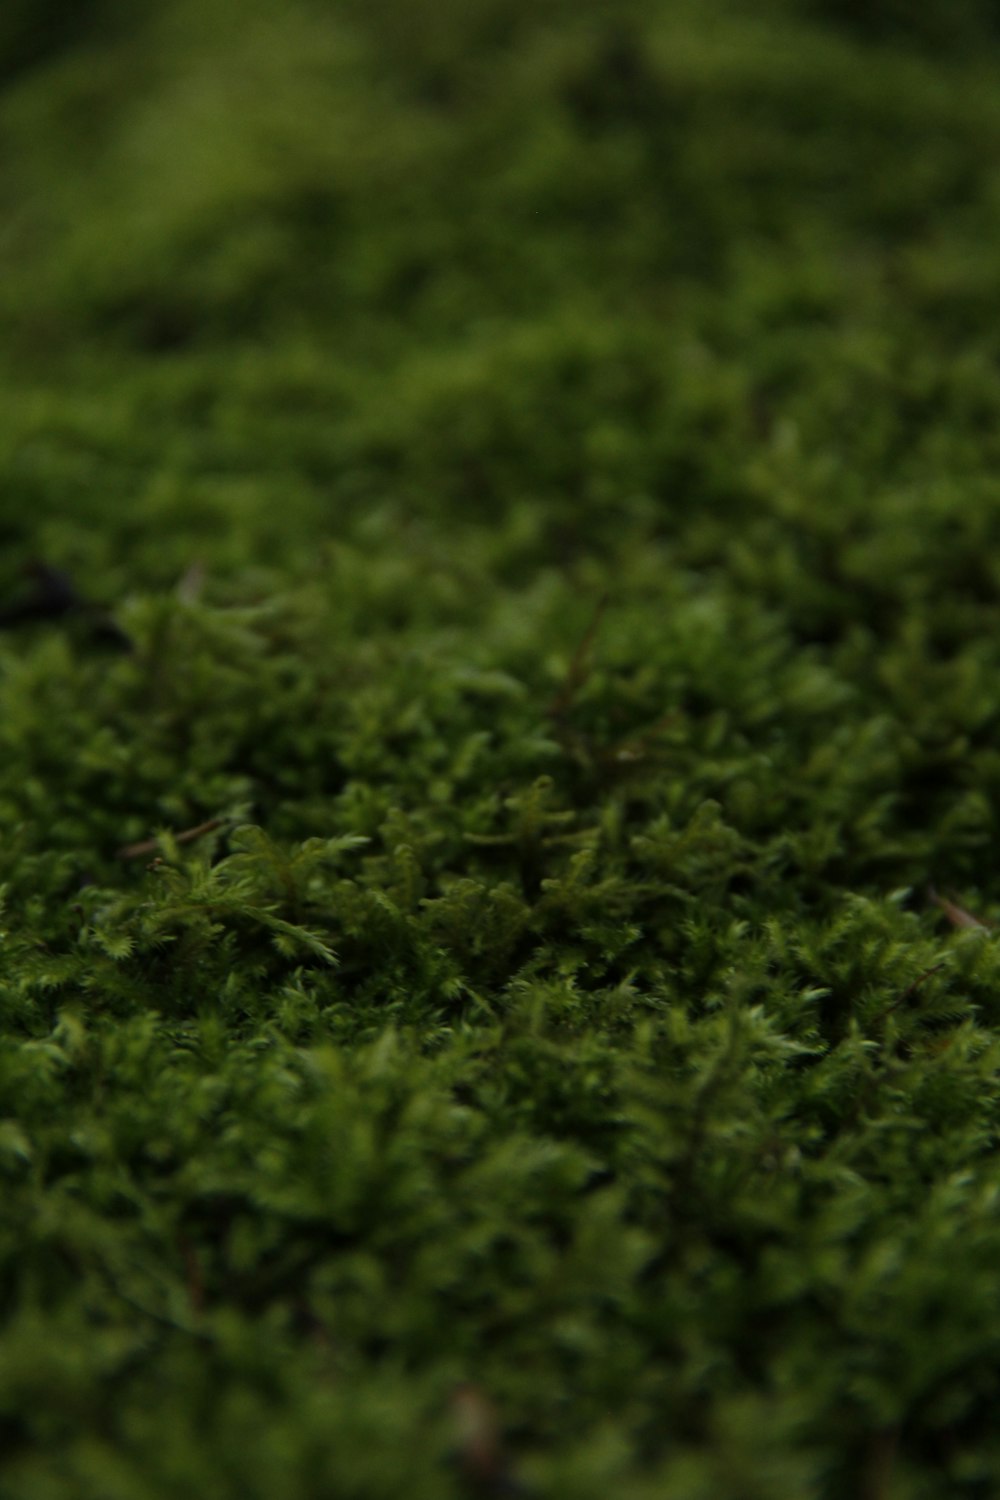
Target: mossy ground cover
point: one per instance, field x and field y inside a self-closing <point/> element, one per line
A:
<point x="534" y="472"/>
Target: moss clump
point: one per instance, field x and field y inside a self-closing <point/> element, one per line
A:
<point x="510" y="661"/>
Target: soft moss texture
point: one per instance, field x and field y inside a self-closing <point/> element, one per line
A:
<point x="546" y="459"/>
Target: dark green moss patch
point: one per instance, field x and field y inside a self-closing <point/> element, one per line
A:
<point x="499" y="645"/>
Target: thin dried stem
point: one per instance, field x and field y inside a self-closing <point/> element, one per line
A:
<point x="957" y="915"/>
<point x="147" y="847"/>
<point x="579" y="667"/>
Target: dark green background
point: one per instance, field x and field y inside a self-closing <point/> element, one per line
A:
<point x="543" y="459"/>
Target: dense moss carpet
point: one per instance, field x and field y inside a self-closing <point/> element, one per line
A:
<point x="499" y="750"/>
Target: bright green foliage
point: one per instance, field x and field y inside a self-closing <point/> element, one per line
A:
<point x="545" y="459"/>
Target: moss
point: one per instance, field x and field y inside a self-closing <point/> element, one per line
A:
<point x="497" y="784"/>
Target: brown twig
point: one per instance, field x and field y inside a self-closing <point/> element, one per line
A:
<point x="621" y="754"/>
<point x="911" y="989"/>
<point x="637" y="746"/>
<point x="193" y="1275"/>
<point x="482" y="1459"/>
<point x="152" y="846"/>
<point x="883" y="1450"/>
<point x="957" y="915"/>
<point x="579" y="666"/>
<point x="191" y="583"/>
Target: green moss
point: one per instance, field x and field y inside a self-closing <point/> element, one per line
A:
<point x="470" y="951"/>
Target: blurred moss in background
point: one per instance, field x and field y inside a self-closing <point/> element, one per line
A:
<point x="301" y="240"/>
<point x="588" y="258"/>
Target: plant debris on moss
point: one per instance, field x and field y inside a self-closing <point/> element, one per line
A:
<point x="499" y="750"/>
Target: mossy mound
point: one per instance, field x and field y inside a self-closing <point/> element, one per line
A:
<point x="499" y="750"/>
